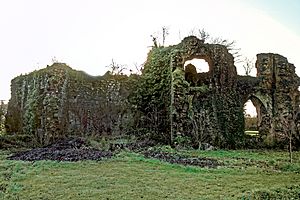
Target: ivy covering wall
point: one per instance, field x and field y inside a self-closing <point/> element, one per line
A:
<point x="181" y="110"/>
<point x="58" y="101"/>
<point x="169" y="102"/>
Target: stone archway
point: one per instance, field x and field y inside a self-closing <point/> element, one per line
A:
<point x="263" y="117"/>
<point x="205" y="104"/>
<point x="197" y="75"/>
<point x="214" y="106"/>
<point x="200" y="64"/>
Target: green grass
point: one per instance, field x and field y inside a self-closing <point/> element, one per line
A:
<point x="131" y="176"/>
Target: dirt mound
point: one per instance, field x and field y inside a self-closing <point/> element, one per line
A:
<point x="181" y="159"/>
<point x="136" y="146"/>
<point x="73" y="149"/>
<point x="76" y="149"/>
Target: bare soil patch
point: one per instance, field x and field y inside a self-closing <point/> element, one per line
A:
<point x="76" y="149"/>
<point x="182" y="159"/>
<point x="73" y="149"/>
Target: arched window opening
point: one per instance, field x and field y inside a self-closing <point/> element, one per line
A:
<point x="196" y="71"/>
<point x="200" y="64"/>
<point x="251" y="119"/>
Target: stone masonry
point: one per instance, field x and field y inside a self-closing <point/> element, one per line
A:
<point x="206" y="107"/>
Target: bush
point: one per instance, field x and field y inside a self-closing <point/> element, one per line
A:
<point x="15" y="141"/>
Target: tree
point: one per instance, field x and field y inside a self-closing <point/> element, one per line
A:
<point x="250" y="123"/>
<point x="165" y="33"/>
<point x="3" y="108"/>
<point x="116" y="69"/>
<point x="54" y="60"/>
<point x="248" y="66"/>
<point x="138" y="68"/>
<point x="154" y="39"/>
<point x="160" y="36"/>
<point x="289" y="131"/>
<point x="203" y="35"/>
<point x="230" y="45"/>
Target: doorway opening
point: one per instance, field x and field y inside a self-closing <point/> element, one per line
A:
<point x="251" y="118"/>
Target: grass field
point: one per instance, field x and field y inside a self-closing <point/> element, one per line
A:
<point x="242" y="175"/>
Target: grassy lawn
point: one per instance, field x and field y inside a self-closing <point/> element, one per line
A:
<point x="131" y="176"/>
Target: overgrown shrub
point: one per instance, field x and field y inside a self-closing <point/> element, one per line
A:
<point x="151" y="96"/>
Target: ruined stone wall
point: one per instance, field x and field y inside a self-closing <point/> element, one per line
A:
<point x="169" y="102"/>
<point x="35" y="104"/>
<point x="274" y="93"/>
<point x="200" y="107"/>
<point x="58" y="101"/>
<point x="278" y="90"/>
<point x="209" y="107"/>
<point x="213" y="109"/>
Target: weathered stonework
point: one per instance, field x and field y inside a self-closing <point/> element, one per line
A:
<point x="278" y="95"/>
<point x="208" y="107"/>
<point x="170" y="102"/>
<point x="58" y="101"/>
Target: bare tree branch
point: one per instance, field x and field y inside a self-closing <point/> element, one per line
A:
<point x="230" y="45"/>
<point x="248" y="66"/>
<point x="165" y="33"/>
<point x="160" y="36"/>
<point x="116" y="69"/>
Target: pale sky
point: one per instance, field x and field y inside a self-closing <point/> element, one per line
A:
<point x="88" y="34"/>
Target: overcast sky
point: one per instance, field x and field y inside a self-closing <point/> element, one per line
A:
<point x="88" y="34"/>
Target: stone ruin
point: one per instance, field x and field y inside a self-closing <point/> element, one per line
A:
<point x="58" y="101"/>
<point x="219" y="105"/>
<point x="170" y="100"/>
